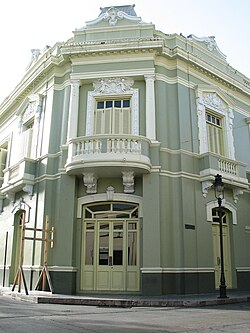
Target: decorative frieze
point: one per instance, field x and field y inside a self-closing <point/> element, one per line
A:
<point x="112" y="85"/>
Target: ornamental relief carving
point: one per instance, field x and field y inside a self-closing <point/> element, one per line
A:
<point x="112" y="85"/>
<point x="214" y="101"/>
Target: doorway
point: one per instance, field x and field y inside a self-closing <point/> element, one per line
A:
<point x="15" y="258"/>
<point x="110" y="247"/>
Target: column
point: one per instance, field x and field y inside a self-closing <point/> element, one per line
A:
<point x="73" y="109"/>
<point x="150" y="106"/>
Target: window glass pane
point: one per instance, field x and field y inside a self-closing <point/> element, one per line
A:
<point x="118" y="104"/>
<point x="100" y="105"/>
<point x="121" y="206"/>
<point x="126" y="103"/>
<point x="132" y="248"/>
<point x="90" y="226"/>
<point x="88" y="215"/>
<point x="103" y="248"/>
<point x="99" y="208"/>
<point x="89" y="248"/>
<point x="109" y="104"/>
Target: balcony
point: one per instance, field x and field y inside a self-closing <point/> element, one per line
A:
<point x="234" y="173"/>
<point x="19" y="176"/>
<point x="108" y="155"/>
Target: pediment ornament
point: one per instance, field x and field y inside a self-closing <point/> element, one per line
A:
<point x="214" y="101"/>
<point x="113" y="15"/>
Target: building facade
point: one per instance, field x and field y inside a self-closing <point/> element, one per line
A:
<point x="115" y="138"/>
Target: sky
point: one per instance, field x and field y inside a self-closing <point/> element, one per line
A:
<point x="30" y="24"/>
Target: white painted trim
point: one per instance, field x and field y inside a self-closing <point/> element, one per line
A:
<point x="212" y="98"/>
<point x="62" y="269"/>
<point x="118" y="73"/>
<point x="214" y="204"/>
<point x="243" y="269"/>
<point x="103" y="197"/>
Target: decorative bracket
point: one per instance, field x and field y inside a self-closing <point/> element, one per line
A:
<point x="90" y="181"/>
<point x="128" y="181"/>
<point x="11" y="196"/>
<point x="29" y="189"/>
<point x="236" y="193"/>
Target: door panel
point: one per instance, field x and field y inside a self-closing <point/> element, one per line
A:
<point x="227" y="256"/>
<point x="110" y="255"/>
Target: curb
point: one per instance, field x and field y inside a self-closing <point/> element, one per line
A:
<point x="126" y="303"/>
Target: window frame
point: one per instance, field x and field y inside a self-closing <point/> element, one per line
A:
<point x="211" y="99"/>
<point x="93" y="97"/>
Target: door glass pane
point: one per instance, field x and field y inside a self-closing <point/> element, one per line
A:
<point x="89" y="248"/>
<point x="132" y="226"/>
<point x="118" y="226"/>
<point x="103" y="245"/>
<point x="132" y="248"/>
<point x="118" y="248"/>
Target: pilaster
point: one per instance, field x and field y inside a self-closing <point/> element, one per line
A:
<point x="73" y="109"/>
<point x="150" y="107"/>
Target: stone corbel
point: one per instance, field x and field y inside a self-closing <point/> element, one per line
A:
<point x="205" y="187"/>
<point x="28" y="189"/>
<point x="236" y="193"/>
<point x="1" y="203"/>
<point x="11" y="196"/>
<point x="128" y="181"/>
<point x="90" y="181"/>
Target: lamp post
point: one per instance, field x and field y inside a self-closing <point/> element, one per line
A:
<point x="219" y="194"/>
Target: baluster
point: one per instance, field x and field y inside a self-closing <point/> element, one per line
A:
<point x="129" y="146"/>
<point x="113" y="145"/>
<point x="138" y="145"/>
<point x="123" y="149"/>
<point x="77" y="148"/>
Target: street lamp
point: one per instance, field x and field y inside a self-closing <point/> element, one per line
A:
<point x="219" y="194"/>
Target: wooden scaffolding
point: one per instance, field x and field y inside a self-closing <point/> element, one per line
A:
<point x="44" y="280"/>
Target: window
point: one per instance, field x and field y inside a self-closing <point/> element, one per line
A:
<point x="112" y="116"/>
<point x="113" y="107"/>
<point x="3" y="159"/>
<point x="215" y="121"/>
<point x="26" y="139"/>
<point x="215" y="133"/>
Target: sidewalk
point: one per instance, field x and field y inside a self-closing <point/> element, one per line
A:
<point x="128" y="300"/>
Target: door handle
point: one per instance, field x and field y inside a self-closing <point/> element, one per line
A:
<point x="110" y="261"/>
<point x="218" y="261"/>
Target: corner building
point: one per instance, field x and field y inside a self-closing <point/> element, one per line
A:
<point x="116" y="136"/>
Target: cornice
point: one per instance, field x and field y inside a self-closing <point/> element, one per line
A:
<point x="114" y="46"/>
<point x="211" y="70"/>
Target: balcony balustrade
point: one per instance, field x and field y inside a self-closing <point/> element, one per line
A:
<point x="233" y="172"/>
<point x="112" y="151"/>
